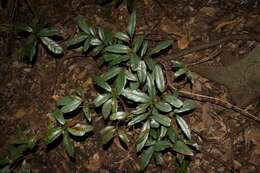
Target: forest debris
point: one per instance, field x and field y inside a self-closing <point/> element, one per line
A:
<point x="94" y="162"/>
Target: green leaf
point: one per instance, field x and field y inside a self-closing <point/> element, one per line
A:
<point x="135" y="96"/>
<point x="180" y="72"/>
<point x="52" y="45"/>
<point x="140" y="109"/>
<point x="118" y="48"/>
<point x="106" y="108"/>
<point x="172" y="134"/>
<point x="68" y="145"/>
<point x="118" y="61"/>
<point x="100" y="99"/>
<point x="150" y="62"/>
<point x="52" y="135"/>
<point x="142" y="71"/>
<point x="58" y="115"/>
<point x="83" y="25"/>
<point x="87" y="112"/>
<point x="143" y="136"/>
<point x="107" y="134"/>
<point x="184" y="126"/>
<point x="162" y="45"/>
<point x="154" y="124"/>
<point x="101" y="34"/>
<point x="123" y="136"/>
<point x="137" y="43"/>
<point x="120" y="82"/>
<point x="65" y="101"/>
<point x="73" y="105"/>
<point x="144" y="48"/>
<point x="122" y="36"/>
<point x="3" y="161"/>
<point x="146" y="157"/>
<point x="134" y="62"/>
<point x="102" y="83"/>
<point x="130" y="76"/>
<point x="138" y="119"/>
<point x="48" y="32"/>
<point x="80" y="129"/>
<point x="134" y="85"/>
<point x="86" y="44"/>
<point x="25" y="168"/>
<point x="158" y="158"/>
<point x="162" y="119"/>
<point x="76" y="40"/>
<point x="95" y="42"/>
<point x="163" y="106"/>
<point x="130" y="5"/>
<point x="118" y="116"/>
<point x="132" y="24"/>
<point x="29" y="49"/>
<point x="150" y="85"/>
<point x="97" y="50"/>
<point x="159" y="78"/>
<point x="161" y="145"/>
<point x="112" y="72"/>
<point x="188" y="105"/>
<point x="22" y="27"/>
<point x="163" y="131"/>
<point x="182" y="148"/>
<point x="173" y="100"/>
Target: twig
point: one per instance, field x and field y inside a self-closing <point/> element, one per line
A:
<point x="205" y="98"/>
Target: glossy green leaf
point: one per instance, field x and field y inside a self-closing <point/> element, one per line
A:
<point x="163" y="131"/>
<point x="95" y="42"/>
<point x="172" y="134"/>
<point x="180" y="72"/>
<point x="143" y="136"/>
<point x="64" y="100"/>
<point x="146" y="157"/>
<point x="154" y="125"/>
<point x="162" y="119"/>
<point x="52" y="45"/>
<point x="118" y="48"/>
<point x="135" y="96"/>
<point x="22" y="27"/>
<point x="144" y="48"/>
<point x="87" y="112"/>
<point x="68" y="145"/>
<point x="159" y="78"/>
<point x="73" y="105"/>
<point x="182" y="148"/>
<point x="142" y="71"/>
<point x="122" y="36"/>
<point x="163" y="106"/>
<point x="30" y="47"/>
<point x="79" y="91"/>
<point x="97" y="50"/>
<point x="83" y="25"/>
<point x="123" y="136"/>
<point x="119" y="60"/>
<point x="173" y="100"/>
<point x="48" y="32"/>
<point x="188" y="105"/>
<point x="137" y="43"/>
<point x="51" y="135"/>
<point x="150" y="85"/>
<point x="161" y="145"/>
<point x="107" y="134"/>
<point x="119" y="116"/>
<point x="120" y="82"/>
<point x="86" y="44"/>
<point x="140" y="109"/>
<point x="138" y="119"/>
<point x="102" y="83"/>
<point x="100" y="99"/>
<point x="76" y="40"/>
<point x="158" y="158"/>
<point x="101" y="34"/>
<point x="25" y="168"/>
<point x="106" y="108"/>
<point x="130" y="76"/>
<point x="134" y="62"/>
<point x="132" y="24"/>
<point x="92" y="31"/>
<point x="112" y="72"/>
<point x="184" y="126"/>
<point x="149" y="62"/>
<point x="58" y="115"/>
<point x="79" y="129"/>
<point x="162" y="45"/>
<point x="134" y="85"/>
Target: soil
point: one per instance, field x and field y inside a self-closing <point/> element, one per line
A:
<point x="230" y="142"/>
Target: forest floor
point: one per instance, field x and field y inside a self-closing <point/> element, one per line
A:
<point x="229" y="141"/>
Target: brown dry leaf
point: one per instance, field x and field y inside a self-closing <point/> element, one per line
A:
<point x="94" y="163"/>
<point x="20" y="113"/>
<point x="88" y="84"/>
<point x="223" y="24"/>
<point x="55" y="97"/>
<point x="209" y="11"/>
<point x="183" y="42"/>
<point x="171" y="27"/>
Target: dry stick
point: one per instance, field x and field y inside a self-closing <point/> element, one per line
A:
<point x="205" y="98"/>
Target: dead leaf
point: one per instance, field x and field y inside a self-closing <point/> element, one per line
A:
<point x="94" y="162"/>
<point x="88" y="84"/>
<point x="183" y="42"/>
<point x="171" y="27"/>
<point x="209" y="11"/>
<point x="223" y="24"/>
<point x="20" y="113"/>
